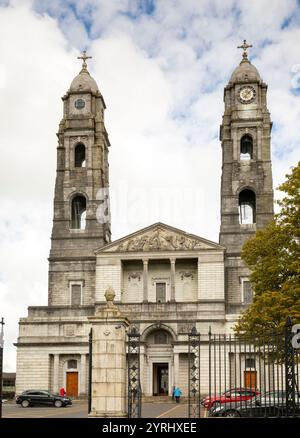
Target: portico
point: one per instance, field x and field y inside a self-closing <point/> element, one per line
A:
<point x="165" y="281"/>
<point x="161" y="264"/>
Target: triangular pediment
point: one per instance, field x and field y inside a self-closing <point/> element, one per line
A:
<point x="159" y="237"/>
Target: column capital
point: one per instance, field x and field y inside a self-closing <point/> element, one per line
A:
<point x="173" y="260"/>
<point x="145" y="261"/>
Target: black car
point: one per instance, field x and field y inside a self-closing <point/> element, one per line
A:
<point x="36" y="397"/>
<point x="269" y="404"/>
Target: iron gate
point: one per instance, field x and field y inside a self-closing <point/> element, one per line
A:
<point x="247" y="376"/>
<point x="194" y="374"/>
<point x="90" y="371"/>
<point x="134" y="385"/>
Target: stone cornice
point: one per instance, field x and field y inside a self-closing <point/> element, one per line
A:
<point x="49" y="344"/>
<point x="72" y="259"/>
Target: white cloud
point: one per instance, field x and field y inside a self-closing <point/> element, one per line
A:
<point x="36" y="64"/>
<point x="162" y="77"/>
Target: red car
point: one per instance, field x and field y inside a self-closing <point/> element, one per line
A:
<point x="232" y="395"/>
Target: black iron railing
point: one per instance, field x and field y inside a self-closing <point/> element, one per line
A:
<point x="194" y="374"/>
<point x="134" y="386"/>
<point x="90" y="371"/>
<point x="246" y="375"/>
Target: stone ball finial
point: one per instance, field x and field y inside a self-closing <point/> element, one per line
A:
<point x="110" y="296"/>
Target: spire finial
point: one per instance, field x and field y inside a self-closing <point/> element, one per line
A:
<point x="245" y="46"/>
<point x="1" y="332"/>
<point x="84" y="57"/>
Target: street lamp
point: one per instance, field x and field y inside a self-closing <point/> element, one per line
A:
<point x="1" y="363"/>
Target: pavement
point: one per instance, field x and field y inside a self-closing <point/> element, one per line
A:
<point x="79" y="410"/>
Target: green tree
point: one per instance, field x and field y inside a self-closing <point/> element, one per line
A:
<point x="273" y="256"/>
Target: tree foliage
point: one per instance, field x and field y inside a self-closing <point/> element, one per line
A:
<point x="273" y="256"/>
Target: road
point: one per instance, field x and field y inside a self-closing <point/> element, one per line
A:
<point x="79" y="410"/>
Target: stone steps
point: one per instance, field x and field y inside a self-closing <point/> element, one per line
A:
<point x="160" y="399"/>
<point x="157" y="399"/>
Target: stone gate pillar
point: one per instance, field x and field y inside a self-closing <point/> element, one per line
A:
<point x="109" y="360"/>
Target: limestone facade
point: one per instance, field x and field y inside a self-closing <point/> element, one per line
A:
<point x="165" y="280"/>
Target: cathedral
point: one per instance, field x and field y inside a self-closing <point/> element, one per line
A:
<point x="165" y="280"/>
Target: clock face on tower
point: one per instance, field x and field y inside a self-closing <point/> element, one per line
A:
<point x="79" y="103"/>
<point x="246" y="94"/>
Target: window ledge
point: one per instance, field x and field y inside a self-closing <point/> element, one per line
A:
<point x="248" y="226"/>
<point x="76" y="231"/>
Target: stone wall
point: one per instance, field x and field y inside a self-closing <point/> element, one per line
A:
<point x="60" y="276"/>
<point x="211" y="281"/>
<point x="35" y="367"/>
<point x="108" y="274"/>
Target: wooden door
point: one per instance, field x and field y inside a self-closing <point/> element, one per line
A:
<point x="72" y="384"/>
<point x="250" y="379"/>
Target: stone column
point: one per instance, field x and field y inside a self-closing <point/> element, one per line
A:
<point x="145" y="280"/>
<point x="109" y="360"/>
<point x="172" y="261"/>
<point x="83" y="375"/>
<point x="176" y="369"/>
<point x="199" y="279"/>
<point x="56" y="374"/>
<point x="142" y="368"/>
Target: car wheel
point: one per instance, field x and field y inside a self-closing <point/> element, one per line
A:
<point x="58" y="404"/>
<point x="25" y="404"/>
<point x="231" y="413"/>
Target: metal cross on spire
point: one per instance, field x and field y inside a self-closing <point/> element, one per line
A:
<point x="1" y="332"/>
<point x="245" y="46"/>
<point x="84" y="57"/>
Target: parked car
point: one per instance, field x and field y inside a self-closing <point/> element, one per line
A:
<point x="269" y="404"/>
<point x="232" y="395"/>
<point x="34" y="397"/>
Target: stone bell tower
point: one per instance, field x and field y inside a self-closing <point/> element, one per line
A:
<point x="246" y="187"/>
<point x="81" y="221"/>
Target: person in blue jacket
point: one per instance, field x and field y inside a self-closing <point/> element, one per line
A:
<point x="177" y="394"/>
<point x="173" y="396"/>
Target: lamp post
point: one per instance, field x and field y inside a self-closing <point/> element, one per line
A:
<point x="1" y="363"/>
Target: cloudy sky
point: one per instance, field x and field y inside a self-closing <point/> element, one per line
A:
<point x="161" y="66"/>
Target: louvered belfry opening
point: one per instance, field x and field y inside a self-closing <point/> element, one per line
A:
<point x="247" y="207"/>
<point x="79" y="212"/>
<point x="246" y="147"/>
<point x="80" y="155"/>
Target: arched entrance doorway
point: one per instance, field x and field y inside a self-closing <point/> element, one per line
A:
<point x="159" y="349"/>
<point x="161" y="379"/>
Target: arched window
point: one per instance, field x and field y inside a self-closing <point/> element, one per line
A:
<point x="72" y="363"/>
<point x="80" y="155"/>
<point x="247" y="207"/>
<point x="78" y="212"/>
<point x="246" y="147"/>
<point x="160" y="337"/>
